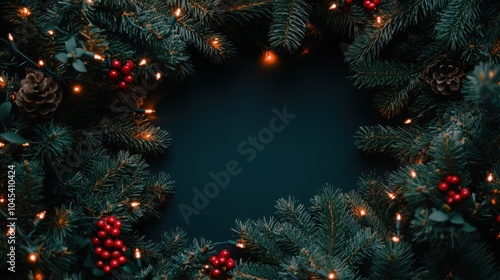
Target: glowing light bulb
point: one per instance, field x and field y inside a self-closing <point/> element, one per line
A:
<point x="333" y="6"/>
<point x="11" y="38"/>
<point x="41" y="63"/>
<point x="269" y="57"/>
<point x="25" y="12"/>
<point x="490" y="178"/>
<point x="331" y="275"/>
<point x="206" y="266"/>
<point x="149" y="111"/>
<point x="398" y="217"/>
<point x="51" y="32"/>
<point x="77" y="89"/>
<point x="143" y="62"/>
<point x="240" y="245"/>
<point x="25" y="144"/>
<point x="413" y="174"/>
<point x="158" y="76"/>
<point x="98" y="57"/>
<point x="90" y="2"/>
<point x="137" y="253"/>
<point x="32" y="257"/>
<point x="379" y="20"/>
<point x="2" y="200"/>
<point x="395" y="239"/>
<point x="408" y="121"/>
<point x="134" y="204"/>
<point x="362" y="212"/>
<point x="178" y="12"/>
<point x="215" y="43"/>
<point x="391" y="196"/>
<point x="41" y="215"/>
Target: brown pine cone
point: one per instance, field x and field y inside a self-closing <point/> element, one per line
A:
<point x="39" y="94"/>
<point x="444" y="76"/>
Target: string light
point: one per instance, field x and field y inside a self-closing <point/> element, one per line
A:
<point x="11" y="231"/>
<point x="149" y="111"/>
<point x="134" y="204"/>
<point x="391" y="196"/>
<point x="11" y="38"/>
<point x="2" y="200"/>
<point x="137" y="253"/>
<point x="206" y="266"/>
<point x="331" y="275"/>
<point x="158" y="76"/>
<point x="147" y="136"/>
<point x="51" y="32"/>
<point x="413" y="173"/>
<point x="77" y="89"/>
<point x="493" y="201"/>
<point x="90" y="2"/>
<point x="269" y="57"/>
<point x="395" y="239"/>
<point x="25" y="144"/>
<point x="41" y="63"/>
<point x="333" y="7"/>
<point x="41" y="215"/>
<point x="32" y="257"/>
<point x="379" y="20"/>
<point x="143" y="62"/>
<point x="38" y="276"/>
<point x="408" y="121"/>
<point x="398" y="217"/>
<point x="240" y="245"/>
<point x="489" y="178"/>
<point x="2" y="81"/>
<point x="178" y="12"/>
<point x="98" y="57"/>
<point x="362" y="212"/>
<point x="25" y="12"/>
<point x="215" y="43"/>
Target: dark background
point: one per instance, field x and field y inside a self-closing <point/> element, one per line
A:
<point x="211" y="113"/>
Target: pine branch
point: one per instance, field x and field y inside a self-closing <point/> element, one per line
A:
<point x="289" y="24"/>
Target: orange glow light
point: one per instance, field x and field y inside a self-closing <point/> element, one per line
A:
<point x="11" y="38"/>
<point x="408" y="121"/>
<point x="51" y="32"/>
<point x="77" y="89"/>
<point x="333" y="7"/>
<point x="134" y="204"/>
<point x="490" y="178"/>
<point x="391" y="195"/>
<point x="158" y="76"/>
<point x="137" y="253"/>
<point x="215" y="43"/>
<point x="25" y="144"/>
<point x="240" y="245"/>
<point x="395" y="239"/>
<point x="41" y="215"/>
<point x="178" y="12"/>
<point x="32" y="257"/>
<point x="270" y="58"/>
<point x="41" y="63"/>
<point x="362" y="212"/>
<point x="398" y="217"/>
<point x="413" y="173"/>
<point x="25" y="12"/>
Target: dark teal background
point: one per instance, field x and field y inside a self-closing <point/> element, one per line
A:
<point x="211" y="113"/>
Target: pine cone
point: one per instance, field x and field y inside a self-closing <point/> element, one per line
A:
<point x="39" y="94"/>
<point x="444" y="76"/>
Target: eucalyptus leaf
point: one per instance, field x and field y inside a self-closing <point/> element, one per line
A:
<point x="5" y="113"/>
<point x="89" y="261"/>
<point x="97" y="272"/>
<point x="79" y="52"/>
<point x="131" y="268"/>
<point x="439" y="216"/>
<point x="62" y="57"/>
<point x="70" y="44"/>
<point x="13" y="137"/>
<point x="79" y="66"/>
<point x="457" y="219"/>
<point x="468" y="227"/>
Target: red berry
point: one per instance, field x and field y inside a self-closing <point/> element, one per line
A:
<point x="106" y="269"/>
<point x="98" y="251"/>
<point x="109" y="243"/>
<point x="96" y="241"/>
<point x="111" y="220"/>
<point x="124" y="248"/>
<point x="114" y="263"/>
<point x="130" y="63"/>
<point x="118" y="244"/>
<point x="230" y="263"/>
<point x="99" y="264"/>
<point x="101" y="224"/>
<point x="118" y="224"/>
<point x="449" y="201"/>
<point x="498" y="219"/>
<point x="372" y="6"/>
<point x="115" y="232"/>
<point x="465" y="192"/>
<point x="225" y="254"/>
<point x="122" y="260"/>
<point x="451" y="193"/>
<point x="216" y="273"/>
<point x="113" y="74"/>
<point x="348" y="2"/>
<point x="108" y="228"/>
<point x="126" y="69"/>
<point x="116" y="64"/>
<point x="376" y="2"/>
<point x="443" y="186"/>
<point x="222" y="261"/>
<point x="453" y="179"/>
<point x="212" y="259"/>
<point x="215" y="263"/>
<point x="122" y="85"/>
<point x="105" y="254"/>
<point x="115" y="254"/>
<point x="128" y="79"/>
<point x="457" y="197"/>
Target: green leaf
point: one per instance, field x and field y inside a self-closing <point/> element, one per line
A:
<point x="70" y="44"/>
<point x="468" y="227"/>
<point x="79" y="66"/>
<point x="78" y="242"/>
<point x="62" y="57"/>
<point x="131" y="268"/>
<point x="89" y="261"/>
<point x="457" y="219"/>
<point x="97" y="272"/>
<point x="5" y="113"/>
<point x="13" y="137"/>
<point x="439" y="216"/>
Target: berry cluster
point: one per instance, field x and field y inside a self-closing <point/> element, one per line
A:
<point x="221" y="263"/>
<point x="455" y="193"/>
<point x="368" y="5"/>
<point x="108" y="248"/>
<point x="126" y="70"/>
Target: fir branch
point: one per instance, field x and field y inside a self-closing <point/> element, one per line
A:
<point x="289" y="24"/>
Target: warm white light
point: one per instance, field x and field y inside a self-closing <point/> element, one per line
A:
<point x="41" y="63"/>
<point x="362" y="212"/>
<point x="331" y="275"/>
<point x="51" y="32"/>
<point x="206" y="266"/>
<point x="240" y="245"/>
<point x="98" y="57"/>
<point x="408" y="121"/>
<point x="32" y="257"/>
<point x="379" y="20"/>
<point x="90" y="2"/>
<point x="398" y="217"/>
<point x="395" y="239"/>
<point x="134" y="204"/>
<point x="178" y="12"/>
<point x="158" y="76"/>
<point x="137" y="253"/>
<point x="25" y="144"/>
<point x="77" y="89"/>
<point x="391" y="195"/>
<point x="215" y="42"/>
<point x="2" y="200"/>
<point x="149" y="111"/>
<point x="143" y="62"/>
<point x="413" y="173"/>
<point x="333" y="7"/>
<point x="25" y="12"/>
<point x="41" y="215"/>
<point x="490" y="178"/>
<point x="11" y="38"/>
